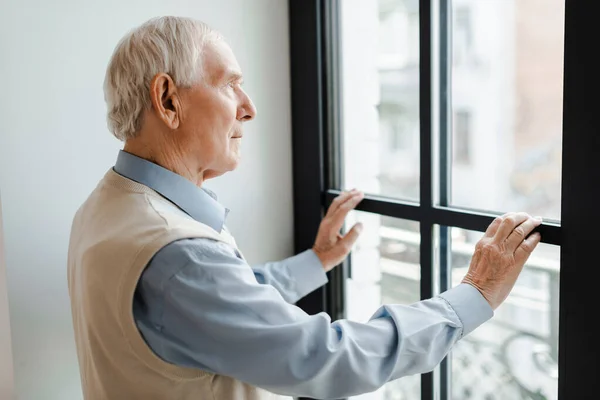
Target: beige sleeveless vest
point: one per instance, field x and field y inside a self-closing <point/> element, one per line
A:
<point x="114" y="235"/>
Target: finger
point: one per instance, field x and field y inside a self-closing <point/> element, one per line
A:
<point x="340" y="199"/>
<point x="338" y="217"/>
<point x="493" y="227"/>
<point x="509" y="223"/>
<point x="350" y="238"/>
<point x="343" y="206"/>
<point x="526" y="248"/>
<point x="520" y="233"/>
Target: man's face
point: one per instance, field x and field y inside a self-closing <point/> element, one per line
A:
<point x="214" y="112"/>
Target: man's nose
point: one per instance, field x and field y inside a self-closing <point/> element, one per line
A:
<point x="247" y="110"/>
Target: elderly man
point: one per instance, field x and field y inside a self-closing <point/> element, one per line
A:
<point x="164" y="304"/>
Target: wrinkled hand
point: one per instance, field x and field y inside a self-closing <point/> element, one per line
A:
<point x="330" y="246"/>
<point x="500" y="255"/>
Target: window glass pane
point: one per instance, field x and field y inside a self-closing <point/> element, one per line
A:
<point x="514" y="355"/>
<point x="507" y="77"/>
<point x="380" y="96"/>
<point x="385" y="269"/>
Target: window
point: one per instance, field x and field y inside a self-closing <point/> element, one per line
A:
<point x="396" y="127"/>
<point x="507" y="106"/>
<point x="513" y="355"/>
<point x="463" y="34"/>
<point x="441" y="146"/>
<point x="462" y="137"/>
<point x="380" y="99"/>
<point x="385" y="271"/>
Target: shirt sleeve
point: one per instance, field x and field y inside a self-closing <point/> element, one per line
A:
<point x="200" y="306"/>
<point x="294" y="277"/>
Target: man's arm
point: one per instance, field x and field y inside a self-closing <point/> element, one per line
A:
<point x="294" y="277"/>
<point x="198" y="305"/>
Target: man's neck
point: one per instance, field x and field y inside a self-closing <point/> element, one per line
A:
<point x="167" y="158"/>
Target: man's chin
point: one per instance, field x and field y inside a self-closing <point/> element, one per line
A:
<point x="233" y="163"/>
<point x="224" y="168"/>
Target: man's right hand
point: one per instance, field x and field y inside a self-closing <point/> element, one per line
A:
<point x="500" y="255"/>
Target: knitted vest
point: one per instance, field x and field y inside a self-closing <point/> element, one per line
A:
<point x="114" y="234"/>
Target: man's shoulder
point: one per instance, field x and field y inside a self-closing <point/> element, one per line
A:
<point x="167" y="210"/>
<point x="87" y="203"/>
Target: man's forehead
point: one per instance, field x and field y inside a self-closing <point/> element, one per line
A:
<point x="220" y="62"/>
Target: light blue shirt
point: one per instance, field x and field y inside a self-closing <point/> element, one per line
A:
<point x="199" y="304"/>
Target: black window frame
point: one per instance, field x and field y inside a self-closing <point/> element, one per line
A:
<point x="315" y="149"/>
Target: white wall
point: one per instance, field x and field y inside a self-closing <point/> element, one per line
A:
<point x="6" y="367"/>
<point x="54" y="147"/>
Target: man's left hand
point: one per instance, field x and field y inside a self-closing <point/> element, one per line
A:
<point x="330" y="246"/>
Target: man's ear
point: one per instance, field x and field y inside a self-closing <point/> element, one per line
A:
<point x="165" y="100"/>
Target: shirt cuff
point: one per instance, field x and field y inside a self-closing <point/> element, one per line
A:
<point x="307" y="272"/>
<point x="469" y="305"/>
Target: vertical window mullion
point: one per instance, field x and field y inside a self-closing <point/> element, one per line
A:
<point x="445" y="167"/>
<point x="308" y="178"/>
<point x="426" y="182"/>
<point x="426" y="258"/>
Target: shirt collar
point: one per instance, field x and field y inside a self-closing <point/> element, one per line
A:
<point x="199" y="203"/>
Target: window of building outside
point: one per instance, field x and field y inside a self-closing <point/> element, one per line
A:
<point x="461" y="137"/>
<point x="505" y="68"/>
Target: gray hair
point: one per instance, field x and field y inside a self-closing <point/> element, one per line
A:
<point x="171" y="45"/>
